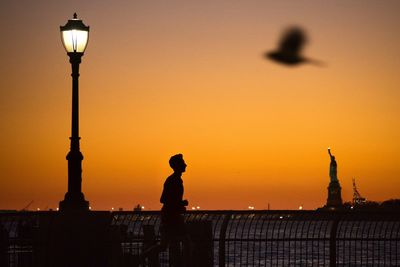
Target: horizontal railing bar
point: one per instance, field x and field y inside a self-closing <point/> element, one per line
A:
<point x="284" y="239"/>
<point x="367" y="239"/>
<point x="295" y="215"/>
<point x="306" y="239"/>
<point x="272" y="240"/>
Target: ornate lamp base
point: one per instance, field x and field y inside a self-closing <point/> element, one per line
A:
<point x="74" y="202"/>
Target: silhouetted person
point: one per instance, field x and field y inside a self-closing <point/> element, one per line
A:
<point x="333" y="167"/>
<point x="173" y="229"/>
<point x="289" y="49"/>
<point x="172" y="198"/>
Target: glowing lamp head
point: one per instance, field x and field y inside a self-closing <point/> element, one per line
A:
<point x="75" y="35"/>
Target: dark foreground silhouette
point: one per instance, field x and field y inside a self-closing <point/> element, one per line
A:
<point x="173" y="229"/>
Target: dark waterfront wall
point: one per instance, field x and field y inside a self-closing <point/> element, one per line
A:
<point x="227" y="238"/>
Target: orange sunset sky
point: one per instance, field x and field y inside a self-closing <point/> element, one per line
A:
<point x="166" y="77"/>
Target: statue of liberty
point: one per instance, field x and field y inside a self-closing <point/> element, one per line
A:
<point x="334" y="200"/>
<point x="333" y="167"/>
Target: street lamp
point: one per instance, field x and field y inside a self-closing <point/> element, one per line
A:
<point x="75" y="37"/>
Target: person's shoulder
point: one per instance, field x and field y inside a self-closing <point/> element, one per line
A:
<point x="173" y="178"/>
<point x="170" y="179"/>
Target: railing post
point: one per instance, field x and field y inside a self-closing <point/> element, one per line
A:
<point x="4" y="238"/>
<point x="200" y="252"/>
<point x="222" y="236"/>
<point x="150" y="240"/>
<point x="332" y="241"/>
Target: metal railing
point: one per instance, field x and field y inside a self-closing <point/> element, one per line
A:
<point x="247" y="238"/>
<point x="16" y="238"/>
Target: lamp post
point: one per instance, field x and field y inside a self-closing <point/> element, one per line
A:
<point x="74" y="36"/>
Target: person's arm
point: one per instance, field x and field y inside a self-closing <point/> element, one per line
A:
<point x="329" y="151"/>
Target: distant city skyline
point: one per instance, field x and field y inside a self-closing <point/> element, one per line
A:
<point x="160" y="78"/>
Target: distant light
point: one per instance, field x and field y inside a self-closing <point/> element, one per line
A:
<point x="57" y="209"/>
<point x="280" y="217"/>
<point x="112" y="209"/>
<point x="142" y="207"/>
<point x="352" y="207"/>
<point x="300" y="207"/>
<point x="198" y="207"/>
<point x="251" y="207"/>
<point x="193" y="208"/>
<point x="90" y="208"/>
<point x="38" y="209"/>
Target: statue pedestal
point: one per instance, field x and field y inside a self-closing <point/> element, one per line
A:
<point x="334" y="195"/>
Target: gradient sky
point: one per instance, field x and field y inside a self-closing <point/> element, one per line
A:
<point x="166" y="77"/>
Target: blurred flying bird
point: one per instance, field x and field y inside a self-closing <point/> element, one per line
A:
<point x="289" y="48"/>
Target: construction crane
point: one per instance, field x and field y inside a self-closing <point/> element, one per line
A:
<point x="27" y="206"/>
<point x="357" y="198"/>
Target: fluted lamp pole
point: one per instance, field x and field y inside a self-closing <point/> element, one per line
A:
<point x="75" y="37"/>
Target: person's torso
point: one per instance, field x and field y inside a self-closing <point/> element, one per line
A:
<point x="172" y="194"/>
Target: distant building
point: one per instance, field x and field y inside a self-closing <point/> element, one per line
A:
<point x="138" y="207"/>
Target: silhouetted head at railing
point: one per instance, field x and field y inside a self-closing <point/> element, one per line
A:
<point x="177" y="163"/>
